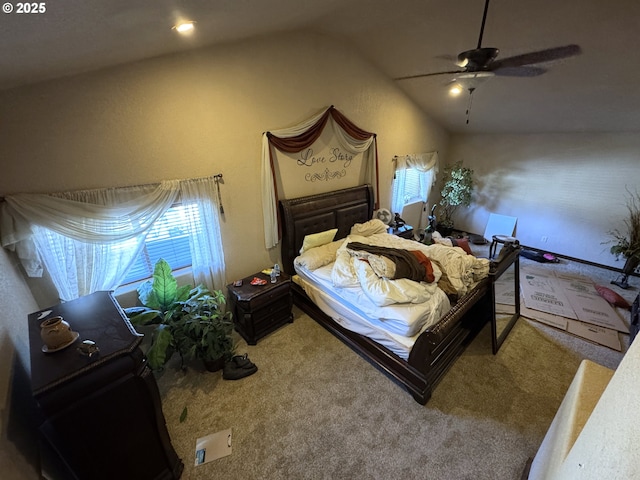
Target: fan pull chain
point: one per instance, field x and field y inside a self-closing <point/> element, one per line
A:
<point x="471" y="90"/>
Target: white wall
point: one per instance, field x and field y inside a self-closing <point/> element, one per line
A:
<point x="569" y="188"/>
<point x="606" y="446"/>
<point x="197" y="114"/>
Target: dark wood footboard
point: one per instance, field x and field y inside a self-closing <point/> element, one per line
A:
<point x="438" y="346"/>
<point x="413" y="379"/>
<point x="434" y="351"/>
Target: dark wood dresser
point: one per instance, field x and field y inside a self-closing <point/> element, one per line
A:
<point x="98" y="417"/>
<point x="260" y="309"/>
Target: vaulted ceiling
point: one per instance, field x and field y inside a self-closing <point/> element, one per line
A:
<point x="595" y="91"/>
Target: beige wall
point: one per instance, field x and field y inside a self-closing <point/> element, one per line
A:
<point x="197" y="114"/>
<point x="16" y="303"/>
<point x="569" y="188"/>
<point x="187" y="115"/>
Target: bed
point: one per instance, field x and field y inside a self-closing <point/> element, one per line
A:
<point x="416" y="357"/>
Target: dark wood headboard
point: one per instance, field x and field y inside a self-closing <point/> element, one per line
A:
<point x="339" y="209"/>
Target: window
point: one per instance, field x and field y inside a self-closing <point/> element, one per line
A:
<point x="410" y="186"/>
<point x="168" y="239"/>
<point x="414" y="186"/>
<point x="88" y="248"/>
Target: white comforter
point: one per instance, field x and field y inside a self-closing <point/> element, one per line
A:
<point x="403" y="306"/>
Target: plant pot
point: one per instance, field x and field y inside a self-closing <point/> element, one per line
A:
<point x="214" y="365"/>
<point x="630" y="265"/>
<point x="445" y="231"/>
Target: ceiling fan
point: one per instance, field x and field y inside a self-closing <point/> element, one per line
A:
<point x="482" y="61"/>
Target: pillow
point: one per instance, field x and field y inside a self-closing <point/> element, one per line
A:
<point x="369" y="228"/>
<point x="319" y="256"/>
<point x="463" y="243"/>
<point x="318" y="239"/>
<point x="612" y="297"/>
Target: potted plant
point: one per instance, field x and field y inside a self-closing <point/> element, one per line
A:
<point x="627" y="242"/>
<point x="190" y="321"/>
<point x="456" y="191"/>
<point x="206" y="332"/>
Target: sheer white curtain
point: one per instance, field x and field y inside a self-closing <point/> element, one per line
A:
<point x="422" y="162"/>
<point x="270" y="209"/>
<point x="88" y="240"/>
<point x="206" y="240"/>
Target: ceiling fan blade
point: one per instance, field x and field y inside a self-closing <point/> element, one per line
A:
<point x="449" y="58"/>
<point x="524" y="71"/>
<point x="540" y="56"/>
<point x="429" y="74"/>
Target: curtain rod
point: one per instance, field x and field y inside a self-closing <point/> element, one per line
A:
<point x="216" y="177"/>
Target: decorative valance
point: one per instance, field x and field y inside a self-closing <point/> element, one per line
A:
<point x="423" y="162"/>
<point x="349" y="140"/>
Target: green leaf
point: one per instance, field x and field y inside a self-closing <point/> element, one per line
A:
<point x="157" y="354"/>
<point x="147" y="296"/>
<point x="165" y="285"/>
<point x="183" y="415"/>
<point x="146" y="317"/>
<point x="182" y="294"/>
<point x="133" y="311"/>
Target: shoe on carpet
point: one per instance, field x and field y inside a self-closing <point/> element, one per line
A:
<point x="238" y="367"/>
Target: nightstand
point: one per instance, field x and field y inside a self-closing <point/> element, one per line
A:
<point x="260" y="309"/>
<point x="405" y="231"/>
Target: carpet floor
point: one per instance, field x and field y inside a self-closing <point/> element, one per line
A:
<point x="315" y="409"/>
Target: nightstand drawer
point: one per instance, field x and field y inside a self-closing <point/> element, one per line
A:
<point x="259" y="301"/>
<point x="266" y="319"/>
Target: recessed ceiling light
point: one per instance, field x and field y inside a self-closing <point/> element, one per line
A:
<point x="455" y="90"/>
<point x="185" y="27"/>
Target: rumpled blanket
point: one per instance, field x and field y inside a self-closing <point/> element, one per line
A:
<point x="455" y="272"/>
<point x="410" y="264"/>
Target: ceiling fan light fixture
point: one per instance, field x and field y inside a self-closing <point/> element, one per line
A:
<point x="462" y="61"/>
<point x="468" y="80"/>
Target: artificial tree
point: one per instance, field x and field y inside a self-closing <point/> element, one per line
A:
<point x="456" y="192"/>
